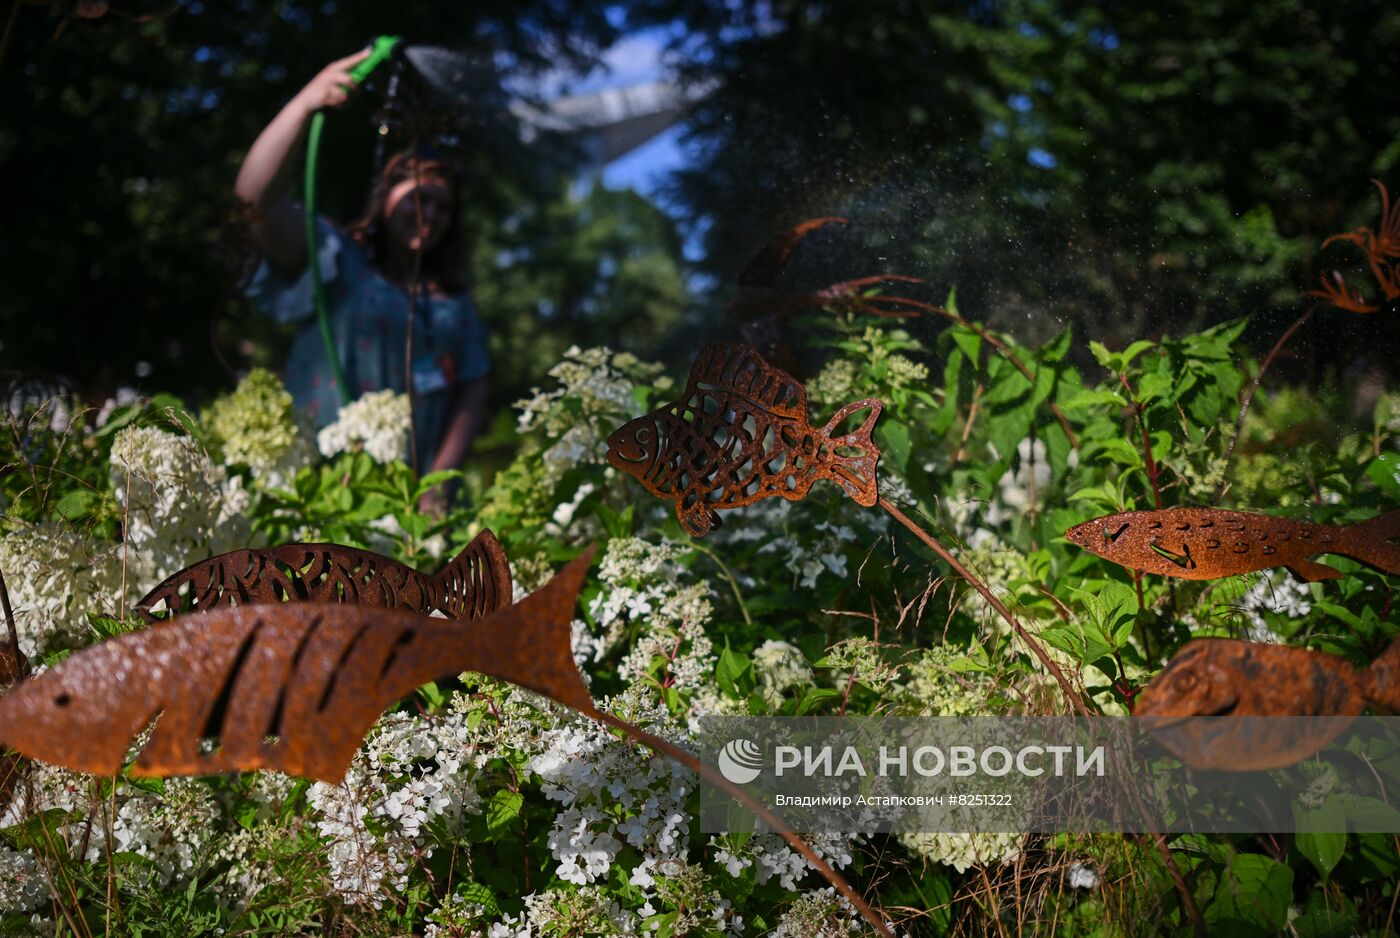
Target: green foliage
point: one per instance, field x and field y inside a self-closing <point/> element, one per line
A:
<point x="818" y="607"/>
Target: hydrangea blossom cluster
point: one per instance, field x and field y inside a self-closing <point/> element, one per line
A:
<point x="412" y="771"/>
<point x="1277" y="593"/>
<point x="612" y="792"/>
<point x="256" y="428"/>
<point x="21" y="882"/>
<point x="170" y="826"/>
<point x="595" y="395"/>
<point x="809" y="549"/>
<point x="179" y="505"/>
<point x="377" y="423"/>
<point x="941" y="682"/>
<point x="820" y="912"/>
<point x="55" y="578"/>
<point x="780" y="667"/>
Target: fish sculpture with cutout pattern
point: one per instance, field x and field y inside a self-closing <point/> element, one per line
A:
<point x="739" y="434"/>
<point x="1209" y="543"/>
<point x="472" y="585"/>
<point x="1219" y="677"/>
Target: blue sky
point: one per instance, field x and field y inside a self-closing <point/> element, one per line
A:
<point x="633" y="60"/>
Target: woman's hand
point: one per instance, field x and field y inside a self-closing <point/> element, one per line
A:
<point x="331" y="87"/>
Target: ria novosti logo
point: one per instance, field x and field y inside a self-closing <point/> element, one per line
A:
<point x="741" y="761"/>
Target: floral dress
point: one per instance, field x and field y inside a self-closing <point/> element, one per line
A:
<point x="368" y="318"/>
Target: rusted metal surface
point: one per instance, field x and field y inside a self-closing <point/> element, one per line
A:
<point x="1382" y="250"/>
<point x="760" y="304"/>
<point x="284" y="686"/>
<point x="14" y="667"/>
<point x="740" y="433"/>
<point x="472" y="585"/>
<point x="1215" y="677"/>
<point x="294" y="687"/>
<point x="1208" y="543"/>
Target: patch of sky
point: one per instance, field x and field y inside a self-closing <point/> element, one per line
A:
<point x="1041" y="159"/>
<point x="1020" y="103"/>
<point x="203" y="54"/>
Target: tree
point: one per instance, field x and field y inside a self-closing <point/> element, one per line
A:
<point x="1124" y="166"/>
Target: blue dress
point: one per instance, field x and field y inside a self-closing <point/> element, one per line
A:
<point x="368" y="318"/>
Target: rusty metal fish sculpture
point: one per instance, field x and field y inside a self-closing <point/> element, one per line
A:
<point x="472" y="585"/>
<point x="1382" y="250"/>
<point x="294" y="687"/>
<point x="14" y="667"/>
<point x="1208" y="543"/>
<point x="1213" y="677"/>
<point x="760" y="305"/>
<point x="740" y="433"/>
<point x="285" y="686"/>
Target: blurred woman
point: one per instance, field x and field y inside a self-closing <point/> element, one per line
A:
<point x="400" y="263"/>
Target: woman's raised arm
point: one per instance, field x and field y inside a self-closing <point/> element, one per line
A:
<point x="264" y="181"/>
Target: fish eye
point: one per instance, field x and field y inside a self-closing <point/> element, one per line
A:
<point x="1186" y="682"/>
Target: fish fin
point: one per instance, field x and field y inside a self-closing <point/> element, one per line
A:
<point x="1381" y="683"/>
<point x="698" y="520"/>
<point x="855" y="472"/>
<point x="763" y="269"/>
<point x="1375" y="543"/>
<point x="1310" y="571"/>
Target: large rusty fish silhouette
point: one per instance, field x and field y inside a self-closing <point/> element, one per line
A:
<point x="1211" y="679"/>
<point x="740" y="433"/>
<point x="1208" y="543"/>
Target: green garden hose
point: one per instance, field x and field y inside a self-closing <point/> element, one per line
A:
<point x="379" y="53"/>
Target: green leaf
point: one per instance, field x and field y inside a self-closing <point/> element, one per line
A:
<point x="1323" y="848"/>
<point x="816" y="697"/>
<point x="895" y="436"/>
<point x="76" y="504"/>
<point x="1087" y="398"/>
<point x="969" y="342"/>
<point x="1253" y="895"/>
<point x="1384" y="470"/>
<point x="502" y="810"/>
<point x="734" y="674"/>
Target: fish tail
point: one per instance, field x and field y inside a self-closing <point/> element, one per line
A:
<point x="853" y="456"/>
<point x="477" y="581"/>
<point x="1382" y="680"/>
<point x="1375" y="542"/>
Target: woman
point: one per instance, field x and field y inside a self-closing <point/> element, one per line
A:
<point x="407" y="243"/>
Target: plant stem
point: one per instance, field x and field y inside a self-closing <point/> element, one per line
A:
<point x="21" y="663"/>
<point x="1001" y="347"/>
<point x="728" y="575"/>
<point x="713" y="776"/>
<point x="1141" y="411"/>
<point x="992" y="600"/>
<point x="1249" y="399"/>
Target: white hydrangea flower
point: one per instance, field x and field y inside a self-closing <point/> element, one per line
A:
<point x="55" y="578"/>
<point x="780" y="667"/>
<point x="962" y="851"/>
<point x="377" y="423"/>
<point x="411" y="771"/>
<point x="179" y="506"/>
<point x="22" y="886"/>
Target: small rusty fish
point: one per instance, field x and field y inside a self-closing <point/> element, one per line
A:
<point x="1382" y="249"/>
<point x="740" y="433"/>
<point x="472" y="585"/>
<point x="1217" y="677"/>
<point x="1208" y="543"/>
